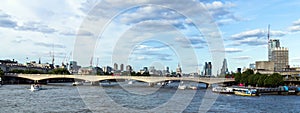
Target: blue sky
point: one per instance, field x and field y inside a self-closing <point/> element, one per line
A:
<point x="145" y="35"/>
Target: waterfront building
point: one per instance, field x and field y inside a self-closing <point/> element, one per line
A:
<point x="73" y="67"/>
<point x="280" y="57"/>
<point x="87" y="71"/>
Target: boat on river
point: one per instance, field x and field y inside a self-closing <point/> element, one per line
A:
<point x="223" y="90"/>
<point x="35" y="87"/>
<point x="245" y="92"/>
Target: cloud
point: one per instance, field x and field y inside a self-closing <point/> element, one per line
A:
<point x="232" y="50"/>
<point x="49" y="45"/>
<point x="36" y="27"/>
<point x="242" y="58"/>
<point x="196" y="42"/>
<point x="251" y="41"/>
<point x="221" y="12"/>
<point x="229" y="50"/>
<point x="257" y="33"/>
<point x="7" y="21"/>
<point x="20" y="39"/>
<point x="297" y="22"/>
<point x="295" y="27"/>
<point x="73" y="33"/>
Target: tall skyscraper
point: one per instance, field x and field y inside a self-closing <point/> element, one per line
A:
<point x="224" y="68"/>
<point x="122" y="67"/>
<point x="207" y="69"/>
<point x="115" y="66"/>
<point x="272" y="44"/>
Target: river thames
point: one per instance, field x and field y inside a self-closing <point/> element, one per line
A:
<point x="136" y="97"/>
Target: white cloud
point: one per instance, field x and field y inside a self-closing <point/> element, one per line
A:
<point x="242" y="58"/>
<point x="233" y="50"/>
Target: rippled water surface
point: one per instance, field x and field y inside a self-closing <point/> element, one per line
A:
<point x="134" y="98"/>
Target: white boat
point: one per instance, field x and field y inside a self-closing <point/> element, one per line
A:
<point x="181" y="86"/>
<point x="35" y="87"/>
<point x="130" y="82"/>
<point x="77" y="83"/>
<point x="193" y="87"/>
<point x="223" y="90"/>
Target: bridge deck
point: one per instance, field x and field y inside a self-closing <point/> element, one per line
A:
<point x="149" y="79"/>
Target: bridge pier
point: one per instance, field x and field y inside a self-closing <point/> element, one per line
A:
<point x="151" y="84"/>
<point x="95" y="83"/>
<point x="208" y="86"/>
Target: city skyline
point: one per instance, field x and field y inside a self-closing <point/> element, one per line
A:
<point x="31" y="31"/>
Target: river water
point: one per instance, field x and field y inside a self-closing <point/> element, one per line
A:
<point x="136" y="97"/>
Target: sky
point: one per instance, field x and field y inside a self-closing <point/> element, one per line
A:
<point x="143" y="33"/>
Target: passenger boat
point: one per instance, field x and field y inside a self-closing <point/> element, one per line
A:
<point x="223" y="90"/>
<point x="245" y="92"/>
<point x="35" y="87"/>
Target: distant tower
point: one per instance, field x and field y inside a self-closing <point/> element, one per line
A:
<point x="178" y="70"/>
<point x="209" y="70"/>
<point x="224" y="68"/>
<point x="39" y="60"/>
<point x="115" y="66"/>
<point x="122" y="67"/>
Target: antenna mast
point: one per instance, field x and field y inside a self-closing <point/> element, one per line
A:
<point x="268" y="32"/>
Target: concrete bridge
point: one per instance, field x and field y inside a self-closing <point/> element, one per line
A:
<point x="97" y="78"/>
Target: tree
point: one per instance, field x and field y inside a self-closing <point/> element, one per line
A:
<point x="138" y="74"/>
<point x="261" y="80"/>
<point x="274" y="80"/>
<point x="60" y="71"/>
<point x="1" y="74"/>
<point x="237" y="77"/>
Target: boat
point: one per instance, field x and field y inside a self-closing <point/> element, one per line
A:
<point x="245" y="92"/>
<point x="193" y="87"/>
<point x="77" y="83"/>
<point x="181" y="86"/>
<point x="35" y="87"/>
<point x="223" y="90"/>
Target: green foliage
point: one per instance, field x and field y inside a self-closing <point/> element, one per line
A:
<point x="146" y="74"/>
<point x="62" y="71"/>
<point x="261" y="80"/>
<point x="249" y="78"/>
<point x="273" y="80"/>
<point x="132" y="73"/>
<point x="30" y="71"/>
<point x="1" y="72"/>
<point x="237" y="77"/>
<point x="138" y="74"/>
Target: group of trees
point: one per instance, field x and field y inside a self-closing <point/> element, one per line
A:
<point x="54" y="71"/>
<point x="139" y="74"/>
<point x="256" y="79"/>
